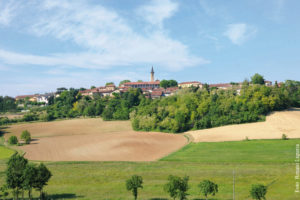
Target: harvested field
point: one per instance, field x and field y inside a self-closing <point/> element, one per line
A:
<point x="276" y="124"/>
<point x="94" y="140"/>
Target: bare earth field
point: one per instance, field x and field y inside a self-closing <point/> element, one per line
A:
<point x="276" y="124"/>
<point x="94" y="140"/>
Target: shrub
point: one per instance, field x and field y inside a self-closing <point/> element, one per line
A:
<point x="284" y="137"/>
<point x="247" y="139"/>
<point x="13" y="140"/>
<point x="258" y="191"/>
<point x="26" y="136"/>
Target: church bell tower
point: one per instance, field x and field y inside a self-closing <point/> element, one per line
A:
<point x="152" y="75"/>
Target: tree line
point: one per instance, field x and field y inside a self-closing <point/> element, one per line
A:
<point x="177" y="187"/>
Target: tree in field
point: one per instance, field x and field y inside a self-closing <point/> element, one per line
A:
<point x="258" y="191"/>
<point x="257" y="79"/>
<point x="133" y="184"/>
<point x="207" y="187"/>
<point x="177" y="187"/>
<point x="42" y="177"/>
<point x="26" y="136"/>
<point x="14" y="174"/>
<point x="13" y="140"/>
<point x="29" y="177"/>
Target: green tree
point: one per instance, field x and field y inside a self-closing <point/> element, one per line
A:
<point x="133" y="184"/>
<point x="4" y="191"/>
<point x="207" y="187"/>
<point x="257" y="79"/>
<point x="42" y="177"/>
<point x="14" y="173"/>
<point x="109" y="83"/>
<point x="177" y="187"/>
<point x="164" y="84"/>
<point x="124" y="81"/>
<point x="13" y="140"/>
<point x="93" y="87"/>
<point x="168" y="83"/>
<point x="29" y="177"/>
<point x="26" y="136"/>
<point x="258" y="191"/>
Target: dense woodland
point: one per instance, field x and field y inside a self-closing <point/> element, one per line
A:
<point x="191" y="108"/>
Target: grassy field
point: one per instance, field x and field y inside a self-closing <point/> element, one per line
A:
<point x="269" y="162"/>
<point x="5" y="152"/>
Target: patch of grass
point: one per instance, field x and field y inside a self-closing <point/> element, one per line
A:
<point x="268" y="162"/>
<point x="253" y="151"/>
<point x="5" y="152"/>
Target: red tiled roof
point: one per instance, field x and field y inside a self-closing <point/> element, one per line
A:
<point x="156" y="93"/>
<point x="142" y="83"/>
<point x="220" y="85"/>
<point x="25" y="96"/>
<point x="190" y="82"/>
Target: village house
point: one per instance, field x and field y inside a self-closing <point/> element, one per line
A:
<point x="151" y="84"/>
<point x="223" y="86"/>
<point x="32" y="98"/>
<point x="190" y="84"/>
<point x="268" y="83"/>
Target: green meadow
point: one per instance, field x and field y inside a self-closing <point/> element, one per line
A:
<point x="270" y="162"/>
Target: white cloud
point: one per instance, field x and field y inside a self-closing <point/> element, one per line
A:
<point x="7" y="9"/>
<point x="106" y="39"/>
<point x="157" y="11"/>
<point x="239" y="33"/>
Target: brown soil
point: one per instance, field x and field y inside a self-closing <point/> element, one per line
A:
<point x="276" y="124"/>
<point x="94" y="140"/>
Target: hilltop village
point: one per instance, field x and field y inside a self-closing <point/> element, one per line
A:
<point x="151" y="89"/>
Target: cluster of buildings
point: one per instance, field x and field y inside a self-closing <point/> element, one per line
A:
<point x="39" y="98"/>
<point x="150" y="89"/>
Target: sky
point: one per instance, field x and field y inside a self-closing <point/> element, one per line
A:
<point x="46" y="44"/>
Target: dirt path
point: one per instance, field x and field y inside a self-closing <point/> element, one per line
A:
<point x="95" y="140"/>
<point x="276" y="124"/>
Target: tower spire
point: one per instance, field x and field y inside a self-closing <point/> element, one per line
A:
<point x="152" y="74"/>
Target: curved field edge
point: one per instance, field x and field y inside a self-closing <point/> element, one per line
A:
<point x="106" y="180"/>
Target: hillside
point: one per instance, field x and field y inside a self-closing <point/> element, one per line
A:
<point x="278" y="123"/>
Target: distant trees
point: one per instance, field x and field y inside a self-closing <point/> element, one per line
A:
<point x="124" y="81"/>
<point x="258" y="191"/>
<point x="257" y="79"/>
<point x="21" y="175"/>
<point x="26" y="136"/>
<point x="207" y="187"/>
<point x="133" y="184"/>
<point x="177" y="187"/>
<point x="109" y="83"/>
<point x="168" y="83"/>
<point x="7" y="104"/>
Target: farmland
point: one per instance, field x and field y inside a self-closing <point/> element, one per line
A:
<point x="269" y="162"/>
<point x="214" y="161"/>
<point x="92" y="139"/>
